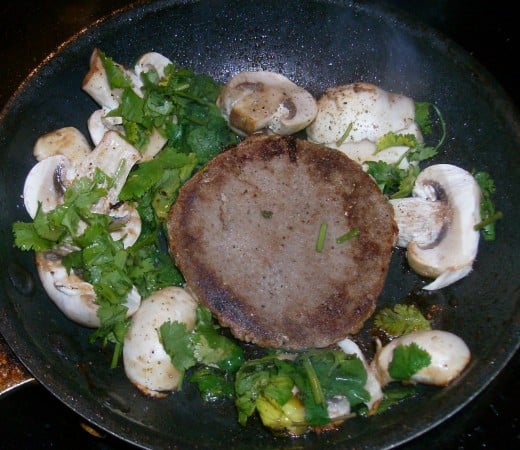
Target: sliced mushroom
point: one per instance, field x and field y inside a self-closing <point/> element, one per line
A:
<point x="147" y="365"/>
<point x="372" y="384"/>
<point x="152" y="60"/>
<point x="437" y="224"/>
<point x="129" y="221"/>
<point x="449" y="356"/>
<point x="67" y="141"/>
<point x="97" y="85"/>
<point x="115" y="157"/>
<point x="58" y="152"/>
<point x="254" y="101"/>
<point x="46" y="182"/>
<point x="99" y="123"/>
<point x="49" y="178"/>
<point x="71" y="294"/>
<point x="353" y="117"/>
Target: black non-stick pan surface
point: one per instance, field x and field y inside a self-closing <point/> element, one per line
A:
<point x="317" y="44"/>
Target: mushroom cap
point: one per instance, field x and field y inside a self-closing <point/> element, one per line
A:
<point x="452" y="253"/>
<point x="146" y="363"/>
<point x="254" y="101"/>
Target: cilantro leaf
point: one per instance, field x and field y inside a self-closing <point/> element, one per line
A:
<point x="422" y="117"/>
<point x="403" y="319"/>
<point x="407" y="361"/>
<point x="26" y="237"/>
<point x="318" y="375"/>
<point x="115" y="74"/>
<point x="178" y="343"/>
<point x="213" y="384"/>
<point x="392" y="139"/>
<point x="393" y="181"/>
<point x="181" y="106"/>
<point x="203" y="345"/>
<point x="487" y="207"/>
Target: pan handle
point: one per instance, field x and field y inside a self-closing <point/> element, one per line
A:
<point x="12" y="372"/>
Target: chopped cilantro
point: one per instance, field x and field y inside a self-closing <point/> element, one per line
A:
<point x="213" y="384"/>
<point x="392" y="139"/>
<point x="391" y="179"/>
<point x="487" y="208"/>
<point x="117" y="79"/>
<point x="400" y="320"/>
<point x="317" y="374"/>
<point x="422" y="117"/>
<point x="203" y="345"/>
<point x="181" y="106"/>
<point x="407" y="361"/>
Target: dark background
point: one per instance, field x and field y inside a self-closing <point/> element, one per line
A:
<point x="30" y="30"/>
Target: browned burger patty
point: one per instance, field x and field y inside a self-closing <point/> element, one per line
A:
<point x="243" y="231"/>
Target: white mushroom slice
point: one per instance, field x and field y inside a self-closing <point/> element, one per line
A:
<point x="99" y="124"/>
<point x="254" y="101"/>
<point x="152" y="60"/>
<point x="46" y="182"/>
<point x="146" y="363"/>
<point x="444" y="245"/>
<point x="72" y="295"/>
<point x="129" y="219"/>
<point x="449" y="356"/>
<point x="115" y="157"/>
<point x="353" y="117"/>
<point x="372" y="384"/>
<point x="68" y="141"/>
<point x="96" y="83"/>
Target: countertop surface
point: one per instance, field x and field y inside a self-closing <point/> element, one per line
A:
<point x="30" y="417"/>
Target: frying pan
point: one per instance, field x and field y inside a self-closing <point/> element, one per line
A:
<point x="317" y="45"/>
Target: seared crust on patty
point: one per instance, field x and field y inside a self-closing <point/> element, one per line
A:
<point x="244" y="229"/>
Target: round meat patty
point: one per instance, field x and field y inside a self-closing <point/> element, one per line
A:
<point x="244" y="233"/>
